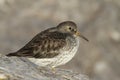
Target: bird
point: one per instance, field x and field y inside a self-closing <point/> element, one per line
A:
<point x="52" y="47"/>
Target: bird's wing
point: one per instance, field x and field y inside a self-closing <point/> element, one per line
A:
<point x="44" y="45"/>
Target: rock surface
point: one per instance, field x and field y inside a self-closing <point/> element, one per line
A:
<point x="14" y="68"/>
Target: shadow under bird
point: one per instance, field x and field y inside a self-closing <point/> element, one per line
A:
<point x="52" y="47"/>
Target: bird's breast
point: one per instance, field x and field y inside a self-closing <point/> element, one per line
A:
<point x="71" y="42"/>
<point x="68" y="52"/>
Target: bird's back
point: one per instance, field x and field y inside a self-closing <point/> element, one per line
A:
<point x="44" y="45"/>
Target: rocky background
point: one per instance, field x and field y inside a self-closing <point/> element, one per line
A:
<point x="98" y="20"/>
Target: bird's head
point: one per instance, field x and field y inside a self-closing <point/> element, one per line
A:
<point x="71" y="28"/>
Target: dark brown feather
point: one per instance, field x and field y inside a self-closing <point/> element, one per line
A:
<point x="44" y="45"/>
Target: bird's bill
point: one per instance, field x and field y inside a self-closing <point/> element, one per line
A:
<point x="78" y="34"/>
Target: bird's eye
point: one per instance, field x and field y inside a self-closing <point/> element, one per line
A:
<point x="70" y="28"/>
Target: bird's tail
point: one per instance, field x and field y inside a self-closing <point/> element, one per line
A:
<point x="11" y="54"/>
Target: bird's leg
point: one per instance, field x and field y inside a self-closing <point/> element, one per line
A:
<point x="53" y="69"/>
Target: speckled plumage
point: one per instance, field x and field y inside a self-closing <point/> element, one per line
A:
<point x="52" y="47"/>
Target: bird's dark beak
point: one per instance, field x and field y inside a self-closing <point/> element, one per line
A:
<point x="80" y="35"/>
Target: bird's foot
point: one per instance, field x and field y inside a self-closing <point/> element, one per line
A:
<point x="53" y="69"/>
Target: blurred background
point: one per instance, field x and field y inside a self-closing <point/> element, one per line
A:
<point x="98" y="20"/>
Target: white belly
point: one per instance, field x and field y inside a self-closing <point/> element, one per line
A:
<point x="61" y="59"/>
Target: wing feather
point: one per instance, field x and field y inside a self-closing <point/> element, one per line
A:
<point x="44" y="45"/>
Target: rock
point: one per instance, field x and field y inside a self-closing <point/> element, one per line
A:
<point x="14" y="68"/>
<point x="3" y="76"/>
